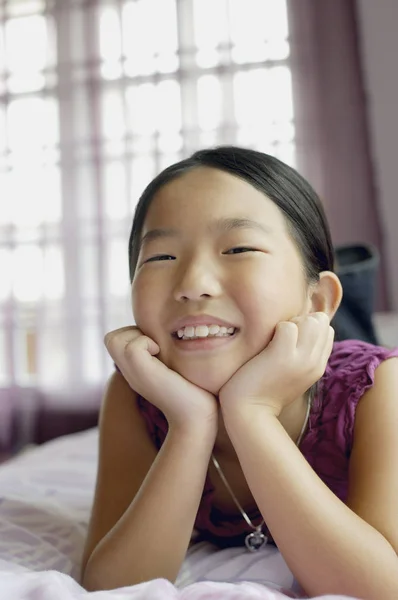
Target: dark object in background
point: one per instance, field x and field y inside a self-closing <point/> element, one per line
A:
<point x="357" y="269"/>
<point x="53" y="423"/>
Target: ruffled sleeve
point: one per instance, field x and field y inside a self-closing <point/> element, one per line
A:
<point x="328" y="443"/>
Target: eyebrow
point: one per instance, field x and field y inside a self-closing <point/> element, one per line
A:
<point x="156" y="234"/>
<point x="220" y="225"/>
<point x="225" y="225"/>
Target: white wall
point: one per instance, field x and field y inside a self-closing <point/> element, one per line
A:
<point x="378" y="23"/>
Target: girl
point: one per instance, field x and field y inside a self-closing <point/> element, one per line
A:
<point x="213" y="420"/>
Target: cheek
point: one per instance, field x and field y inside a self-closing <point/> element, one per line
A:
<point x="143" y="303"/>
<point x="148" y="306"/>
<point x="268" y="299"/>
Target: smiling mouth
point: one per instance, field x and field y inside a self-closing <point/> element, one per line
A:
<point x="203" y="332"/>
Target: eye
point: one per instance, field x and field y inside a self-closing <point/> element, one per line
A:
<point x="240" y="250"/>
<point x="160" y="257"/>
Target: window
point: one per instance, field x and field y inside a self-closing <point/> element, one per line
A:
<point x="94" y="101"/>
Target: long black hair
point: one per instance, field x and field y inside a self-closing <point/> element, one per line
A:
<point x="282" y="184"/>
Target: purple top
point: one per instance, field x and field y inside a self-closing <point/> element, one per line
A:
<point x="326" y="443"/>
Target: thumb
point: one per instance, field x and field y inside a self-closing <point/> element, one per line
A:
<point x="286" y="332"/>
<point x="149" y="344"/>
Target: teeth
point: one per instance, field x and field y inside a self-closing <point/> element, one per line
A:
<point x="203" y="331"/>
<point x="213" y="329"/>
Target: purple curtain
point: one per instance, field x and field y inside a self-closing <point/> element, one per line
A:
<point x="333" y="148"/>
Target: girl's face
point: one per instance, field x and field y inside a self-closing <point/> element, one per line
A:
<point x="215" y="252"/>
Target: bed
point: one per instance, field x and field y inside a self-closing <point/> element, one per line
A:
<point x="45" y="499"/>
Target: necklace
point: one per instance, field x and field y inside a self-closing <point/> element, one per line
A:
<point x="257" y="539"/>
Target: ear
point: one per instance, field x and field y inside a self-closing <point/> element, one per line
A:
<point x="325" y="295"/>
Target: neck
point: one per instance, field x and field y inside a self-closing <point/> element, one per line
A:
<point x="292" y="419"/>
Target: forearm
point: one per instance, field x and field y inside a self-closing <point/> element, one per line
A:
<point x="327" y="546"/>
<point x="152" y="537"/>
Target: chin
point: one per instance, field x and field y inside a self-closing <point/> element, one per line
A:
<point x="212" y="386"/>
<point x="207" y="379"/>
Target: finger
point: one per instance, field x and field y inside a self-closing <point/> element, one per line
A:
<point x="325" y="354"/>
<point x="313" y="332"/>
<point x="130" y="330"/>
<point x="127" y="340"/>
<point x="321" y="316"/>
<point x="296" y="320"/>
<point x="285" y="336"/>
<point x="328" y="345"/>
<point x="143" y="342"/>
<point x="300" y="319"/>
<point x="325" y="331"/>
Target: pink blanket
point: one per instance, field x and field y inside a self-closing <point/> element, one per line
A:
<point x="45" y="500"/>
<point x="50" y="585"/>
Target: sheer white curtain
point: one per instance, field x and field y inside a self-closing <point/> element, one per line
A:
<point x="95" y="99"/>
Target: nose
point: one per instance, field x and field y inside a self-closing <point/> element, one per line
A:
<point x="197" y="279"/>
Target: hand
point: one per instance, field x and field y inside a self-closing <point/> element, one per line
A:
<point x="292" y="362"/>
<point x="182" y="402"/>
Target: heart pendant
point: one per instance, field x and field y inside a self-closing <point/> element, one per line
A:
<point x="256" y="540"/>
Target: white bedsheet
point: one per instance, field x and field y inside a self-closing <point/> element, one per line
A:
<point x="45" y="501"/>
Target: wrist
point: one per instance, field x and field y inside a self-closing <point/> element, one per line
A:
<point x="205" y="430"/>
<point x="245" y="414"/>
<point x="245" y="420"/>
<point x="258" y="408"/>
